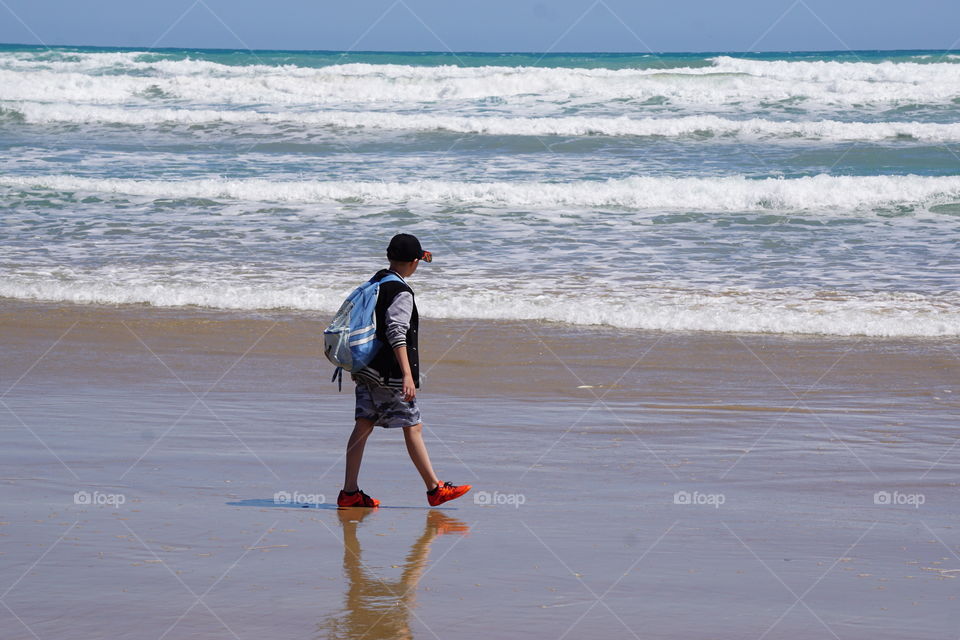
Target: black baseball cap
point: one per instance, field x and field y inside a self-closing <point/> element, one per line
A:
<point x="406" y="248"/>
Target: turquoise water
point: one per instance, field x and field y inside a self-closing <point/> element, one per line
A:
<point x="812" y="193"/>
<point x="314" y="59"/>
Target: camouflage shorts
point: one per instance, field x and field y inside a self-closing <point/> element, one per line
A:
<point x="386" y="407"/>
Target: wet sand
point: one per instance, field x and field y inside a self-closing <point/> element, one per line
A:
<point x="626" y="484"/>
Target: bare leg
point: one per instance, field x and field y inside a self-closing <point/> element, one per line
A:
<point x="418" y="453"/>
<point x="358" y="439"/>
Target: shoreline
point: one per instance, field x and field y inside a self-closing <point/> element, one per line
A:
<point x="664" y="372"/>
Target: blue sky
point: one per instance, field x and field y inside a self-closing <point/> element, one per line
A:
<point x="488" y="25"/>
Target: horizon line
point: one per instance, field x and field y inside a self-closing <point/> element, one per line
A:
<point x="468" y="52"/>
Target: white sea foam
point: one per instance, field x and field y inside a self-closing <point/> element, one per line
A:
<point x="827" y="71"/>
<point x="260" y="256"/>
<point x="144" y="62"/>
<point x="820" y="193"/>
<point x="498" y="125"/>
<point x="742" y="311"/>
<point x="746" y="311"/>
<point x="728" y="81"/>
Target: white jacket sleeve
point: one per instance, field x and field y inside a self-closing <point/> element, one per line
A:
<point x="398" y="319"/>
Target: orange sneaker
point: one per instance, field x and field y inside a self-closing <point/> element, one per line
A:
<point x="356" y="499"/>
<point x="446" y="491"/>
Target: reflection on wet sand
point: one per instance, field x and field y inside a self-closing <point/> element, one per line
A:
<point x="376" y="608"/>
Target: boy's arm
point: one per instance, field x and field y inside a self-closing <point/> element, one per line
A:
<point x="398" y="323"/>
<point x="409" y="390"/>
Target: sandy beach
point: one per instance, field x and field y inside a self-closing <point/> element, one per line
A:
<point x="171" y="473"/>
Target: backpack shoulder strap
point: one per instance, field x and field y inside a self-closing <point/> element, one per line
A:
<point x="391" y="277"/>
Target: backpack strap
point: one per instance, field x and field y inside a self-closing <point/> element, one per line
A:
<point x="338" y="377"/>
<point x="390" y="277"/>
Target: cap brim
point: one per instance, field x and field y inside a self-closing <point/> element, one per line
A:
<point x="427" y="256"/>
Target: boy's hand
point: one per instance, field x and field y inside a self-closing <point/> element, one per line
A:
<point x="409" y="390"/>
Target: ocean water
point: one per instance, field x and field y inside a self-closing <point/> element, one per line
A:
<point x="782" y="193"/>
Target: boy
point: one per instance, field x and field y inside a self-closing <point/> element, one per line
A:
<point x="387" y="387"/>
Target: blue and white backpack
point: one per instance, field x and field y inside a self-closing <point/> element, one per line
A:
<point x="350" y="342"/>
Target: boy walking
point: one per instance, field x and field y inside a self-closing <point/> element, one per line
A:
<point x="387" y="387"/>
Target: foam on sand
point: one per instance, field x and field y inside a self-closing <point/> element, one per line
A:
<point x="741" y="310"/>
